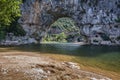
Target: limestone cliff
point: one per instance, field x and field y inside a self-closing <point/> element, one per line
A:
<point x="95" y="18"/>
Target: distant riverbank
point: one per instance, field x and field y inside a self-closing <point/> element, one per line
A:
<point x="78" y="43"/>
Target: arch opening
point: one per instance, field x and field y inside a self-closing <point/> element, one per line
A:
<point x="62" y="30"/>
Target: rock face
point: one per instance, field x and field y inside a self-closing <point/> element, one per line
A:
<point x="95" y="18"/>
<point x="11" y="39"/>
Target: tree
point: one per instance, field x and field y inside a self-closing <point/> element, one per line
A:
<point x="9" y="10"/>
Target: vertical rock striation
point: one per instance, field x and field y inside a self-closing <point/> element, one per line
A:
<point x="97" y="19"/>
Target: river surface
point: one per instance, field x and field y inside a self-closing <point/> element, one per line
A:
<point x="104" y="57"/>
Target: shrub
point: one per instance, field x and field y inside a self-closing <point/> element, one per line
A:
<point x="55" y="38"/>
<point x="2" y="33"/>
<point x="15" y="28"/>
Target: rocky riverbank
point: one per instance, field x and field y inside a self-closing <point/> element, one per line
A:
<point x="14" y="40"/>
<point x="18" y="66"/>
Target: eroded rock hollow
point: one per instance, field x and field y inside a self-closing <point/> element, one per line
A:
<point x="98" y="20"/>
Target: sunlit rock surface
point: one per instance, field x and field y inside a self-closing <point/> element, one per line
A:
<point x="95" y="18"/>
<point x="23" y="67"/>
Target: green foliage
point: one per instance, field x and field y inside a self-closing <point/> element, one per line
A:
<point x="55" y="38"/>
<point x="61" y="37"/>
<point x="65" y="24"/>
<point x="9" y="9"/>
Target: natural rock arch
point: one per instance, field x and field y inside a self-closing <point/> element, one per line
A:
<point x="90" y="15"/>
